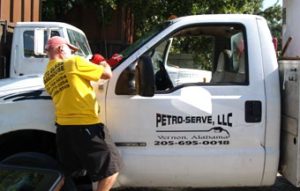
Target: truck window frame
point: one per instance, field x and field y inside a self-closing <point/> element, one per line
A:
<point x="144" y="39"/>
<point x="28" y="47"/>
<point x="244" y="35"/>
<point x="242" y="29"/>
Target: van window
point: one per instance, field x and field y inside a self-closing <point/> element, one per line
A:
<point x="28" y="42"/>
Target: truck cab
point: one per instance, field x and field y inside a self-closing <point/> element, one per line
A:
<point x="197" y="100"/>
<point x="25" y="60"/>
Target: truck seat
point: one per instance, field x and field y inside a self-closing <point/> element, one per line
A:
<point x="241" y="74"/>
<point x="218" y="75"/>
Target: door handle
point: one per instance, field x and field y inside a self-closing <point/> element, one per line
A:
<point x="253" y="111"/>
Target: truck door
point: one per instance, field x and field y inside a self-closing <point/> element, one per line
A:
<point x="203" y="126"/>
<point x="24" y="60"/>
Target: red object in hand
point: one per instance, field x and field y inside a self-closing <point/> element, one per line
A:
<point x="115" y="59"/>
<point x="97" y="58"/>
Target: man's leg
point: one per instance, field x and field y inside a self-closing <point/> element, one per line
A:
<point x="107" y="183"/>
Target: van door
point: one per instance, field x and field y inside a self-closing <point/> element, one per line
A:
<point x="204" y="125"/>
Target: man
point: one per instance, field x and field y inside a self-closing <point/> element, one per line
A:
<point x="81" y="141"/>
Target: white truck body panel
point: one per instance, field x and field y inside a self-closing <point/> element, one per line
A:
<point x="273" y="101"/>
<point x="26" y="97"/>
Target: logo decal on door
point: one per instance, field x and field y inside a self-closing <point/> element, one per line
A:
<point x="163" y="120"/>
<point x="193" y="130"/>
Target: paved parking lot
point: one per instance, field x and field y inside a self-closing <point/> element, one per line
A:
<point x="280" y="185"/>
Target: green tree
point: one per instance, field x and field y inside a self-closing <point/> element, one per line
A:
<point x="148" y="13"/>
<point x="55" y="10"/>
<point x="273" y="15"/>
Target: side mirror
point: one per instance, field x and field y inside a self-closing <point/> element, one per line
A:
<point x="39" y="43"/>
<point x="144" y="77"/>
<point x="126" y="82"/>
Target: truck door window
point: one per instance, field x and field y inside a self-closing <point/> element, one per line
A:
<point x="210" y="55"/>
<point x="202" y="55"/>
<point x="28" y="42"/>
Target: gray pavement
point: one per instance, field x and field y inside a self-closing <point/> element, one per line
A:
<point x="280" y="185"/>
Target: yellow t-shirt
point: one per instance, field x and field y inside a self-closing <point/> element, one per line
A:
<point x="68" y="83"/>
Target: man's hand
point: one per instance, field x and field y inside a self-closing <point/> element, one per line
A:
<point x="115" y="59"/>
<point x="97" y="59"/>
<point x="107" y="73"/>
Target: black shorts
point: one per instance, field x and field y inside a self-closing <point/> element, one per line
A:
<point x="87" y="147"/>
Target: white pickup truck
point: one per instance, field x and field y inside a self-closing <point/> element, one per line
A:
<point x="195" y="103"/>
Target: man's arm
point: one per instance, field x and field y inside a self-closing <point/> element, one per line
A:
<point x="107" y="73"/>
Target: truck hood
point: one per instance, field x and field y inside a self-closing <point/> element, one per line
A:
<point x="20" y="84"/>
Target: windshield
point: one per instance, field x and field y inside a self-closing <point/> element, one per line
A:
<point x="80" y="41"/>
<point x="141" y="41"/>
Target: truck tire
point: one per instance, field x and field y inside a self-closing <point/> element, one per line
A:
<point x="38" y="160"/>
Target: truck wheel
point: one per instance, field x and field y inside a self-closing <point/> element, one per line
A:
<point x="38" y="160"/>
